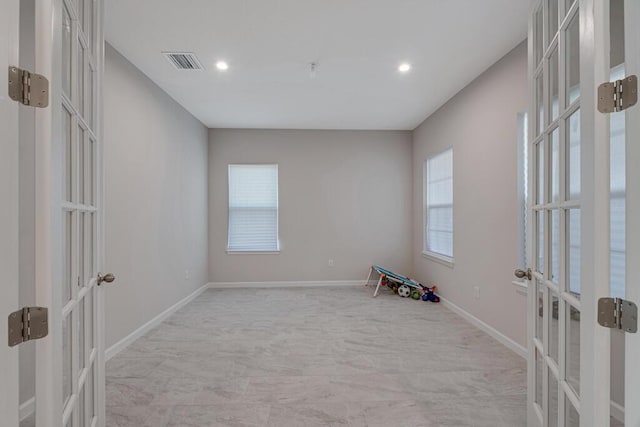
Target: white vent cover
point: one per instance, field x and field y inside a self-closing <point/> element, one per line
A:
<point x="183" y="60"/>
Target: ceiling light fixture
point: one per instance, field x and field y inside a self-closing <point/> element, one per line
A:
<point x="222" y="65"/>
<point x="404" y="67"/>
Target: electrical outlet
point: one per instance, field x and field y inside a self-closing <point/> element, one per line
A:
<point x="330" y="263"/>
<point x="476" y="292"/>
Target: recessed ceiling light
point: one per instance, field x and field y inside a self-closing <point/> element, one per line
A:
<point x="222" y="65"/>
<point x="404" y="67"/>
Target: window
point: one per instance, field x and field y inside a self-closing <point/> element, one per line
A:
<point x="438" y="206"/>
<point x="253" y="208"/>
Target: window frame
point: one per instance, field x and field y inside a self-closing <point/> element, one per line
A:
<point x="443" y="259"/>
<point x="275" y="251"/>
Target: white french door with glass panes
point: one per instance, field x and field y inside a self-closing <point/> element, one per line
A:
<point x="554" y="301"/>
<point x="79" y="151"/>
<point x="580" y="246"/>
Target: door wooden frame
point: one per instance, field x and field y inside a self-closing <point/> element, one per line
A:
<point x="9" y="206"/>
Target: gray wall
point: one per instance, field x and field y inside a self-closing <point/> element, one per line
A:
<point x="155" y="156"/>
<point x="480" y="123"/>
<point x="343" y="195"/>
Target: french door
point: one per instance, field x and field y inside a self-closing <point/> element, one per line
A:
<point x="574" y="209"/>
<point x="79" y="150"/>
<point x="69" y="362"/>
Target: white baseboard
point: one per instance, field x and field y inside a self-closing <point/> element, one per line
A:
<point x="505" y="340"/>
<point x="27" y="408"/>
<point x="617" y="411"/>
<point x="291" y="284"/>
<point x="126" y="341"/>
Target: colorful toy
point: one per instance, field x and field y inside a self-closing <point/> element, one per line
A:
<point x="401" y="285"/>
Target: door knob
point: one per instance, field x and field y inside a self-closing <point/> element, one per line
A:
<point x="521" y="274"/>
<point x="108" y="278"/>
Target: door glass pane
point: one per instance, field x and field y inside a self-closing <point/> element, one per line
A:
<point x="92" y="174"/>
<point x="555" y="245"/>
<point x="68" y="154"/>
<point x="573" y="348"/>
<point x="539" y="376"/>
<point x="89" y="116"/>
<point x="539" y="105"/>
<point x="80" y="11"/>
<point x="81" y="405"/>
<point x="67" y="285"/>
<point x="90" y="242"/>
<point x="66" y="359"/>
<point x="553" y="85"/>
<point x="89" y="28"/>
<point x="80" y="79"/>
<point x="573" y="59"/>
<point x="555" y="165"/>
<point x="553" y="326"/>
<point x="81" y="165"/>
<point x="540" y="305"/>
<point x="540" y="243"/>
<point x="573" y="155"/>
<point x="537" y="29"/>
<point x="81" y="252"/>
<point x="553" y="400"/>
<point x="618" y="190"/>
<point x="90" y="392"/>
<point x="553" y="18"/>
<point x="572" y="418"/>
<point x="66" y="52"/>
<point x="89" y="301"/>
<point x="80" y="322"/>
<point x="573" y="255"/>
<point x="540" y="171"/>
<point x="88" y="172"/>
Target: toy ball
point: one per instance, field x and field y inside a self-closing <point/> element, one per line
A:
<point x="415" y="295"/>
<point x="425" y="297"/>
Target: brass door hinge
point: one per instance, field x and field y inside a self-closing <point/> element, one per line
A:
<point x="28" y="88"/>
<point x="618" y="96"/>
<point x="29" y="323"/>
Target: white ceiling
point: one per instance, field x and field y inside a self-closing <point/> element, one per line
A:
<point x="357" y="43"/>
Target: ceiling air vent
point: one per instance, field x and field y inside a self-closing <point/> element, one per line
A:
<point x="183" y="60"/>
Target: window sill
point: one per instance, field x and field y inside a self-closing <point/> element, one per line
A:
<point x="440" y="259"/>
<point x="235" y="252"/>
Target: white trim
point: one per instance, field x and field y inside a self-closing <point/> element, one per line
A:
<point x="520" y="284"/>
<point x="440" y="259"/>
<point x="27" y="408"/>
<point x="505" y="340"/>
<point x="617" y="411"/>
<point x="241" y="252"/>
<point x="286" y="284"/>
<point x="129" y="339"/>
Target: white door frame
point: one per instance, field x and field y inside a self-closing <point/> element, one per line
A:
<point x="632" y="123"/>
<point x="9" y="159"/>
<point x="595" y="341"/>
<point x="48" y="23"/>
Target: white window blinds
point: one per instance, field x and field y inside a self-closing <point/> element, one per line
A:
<point x="253" y="208"/>
<point x="438" y="204"/>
